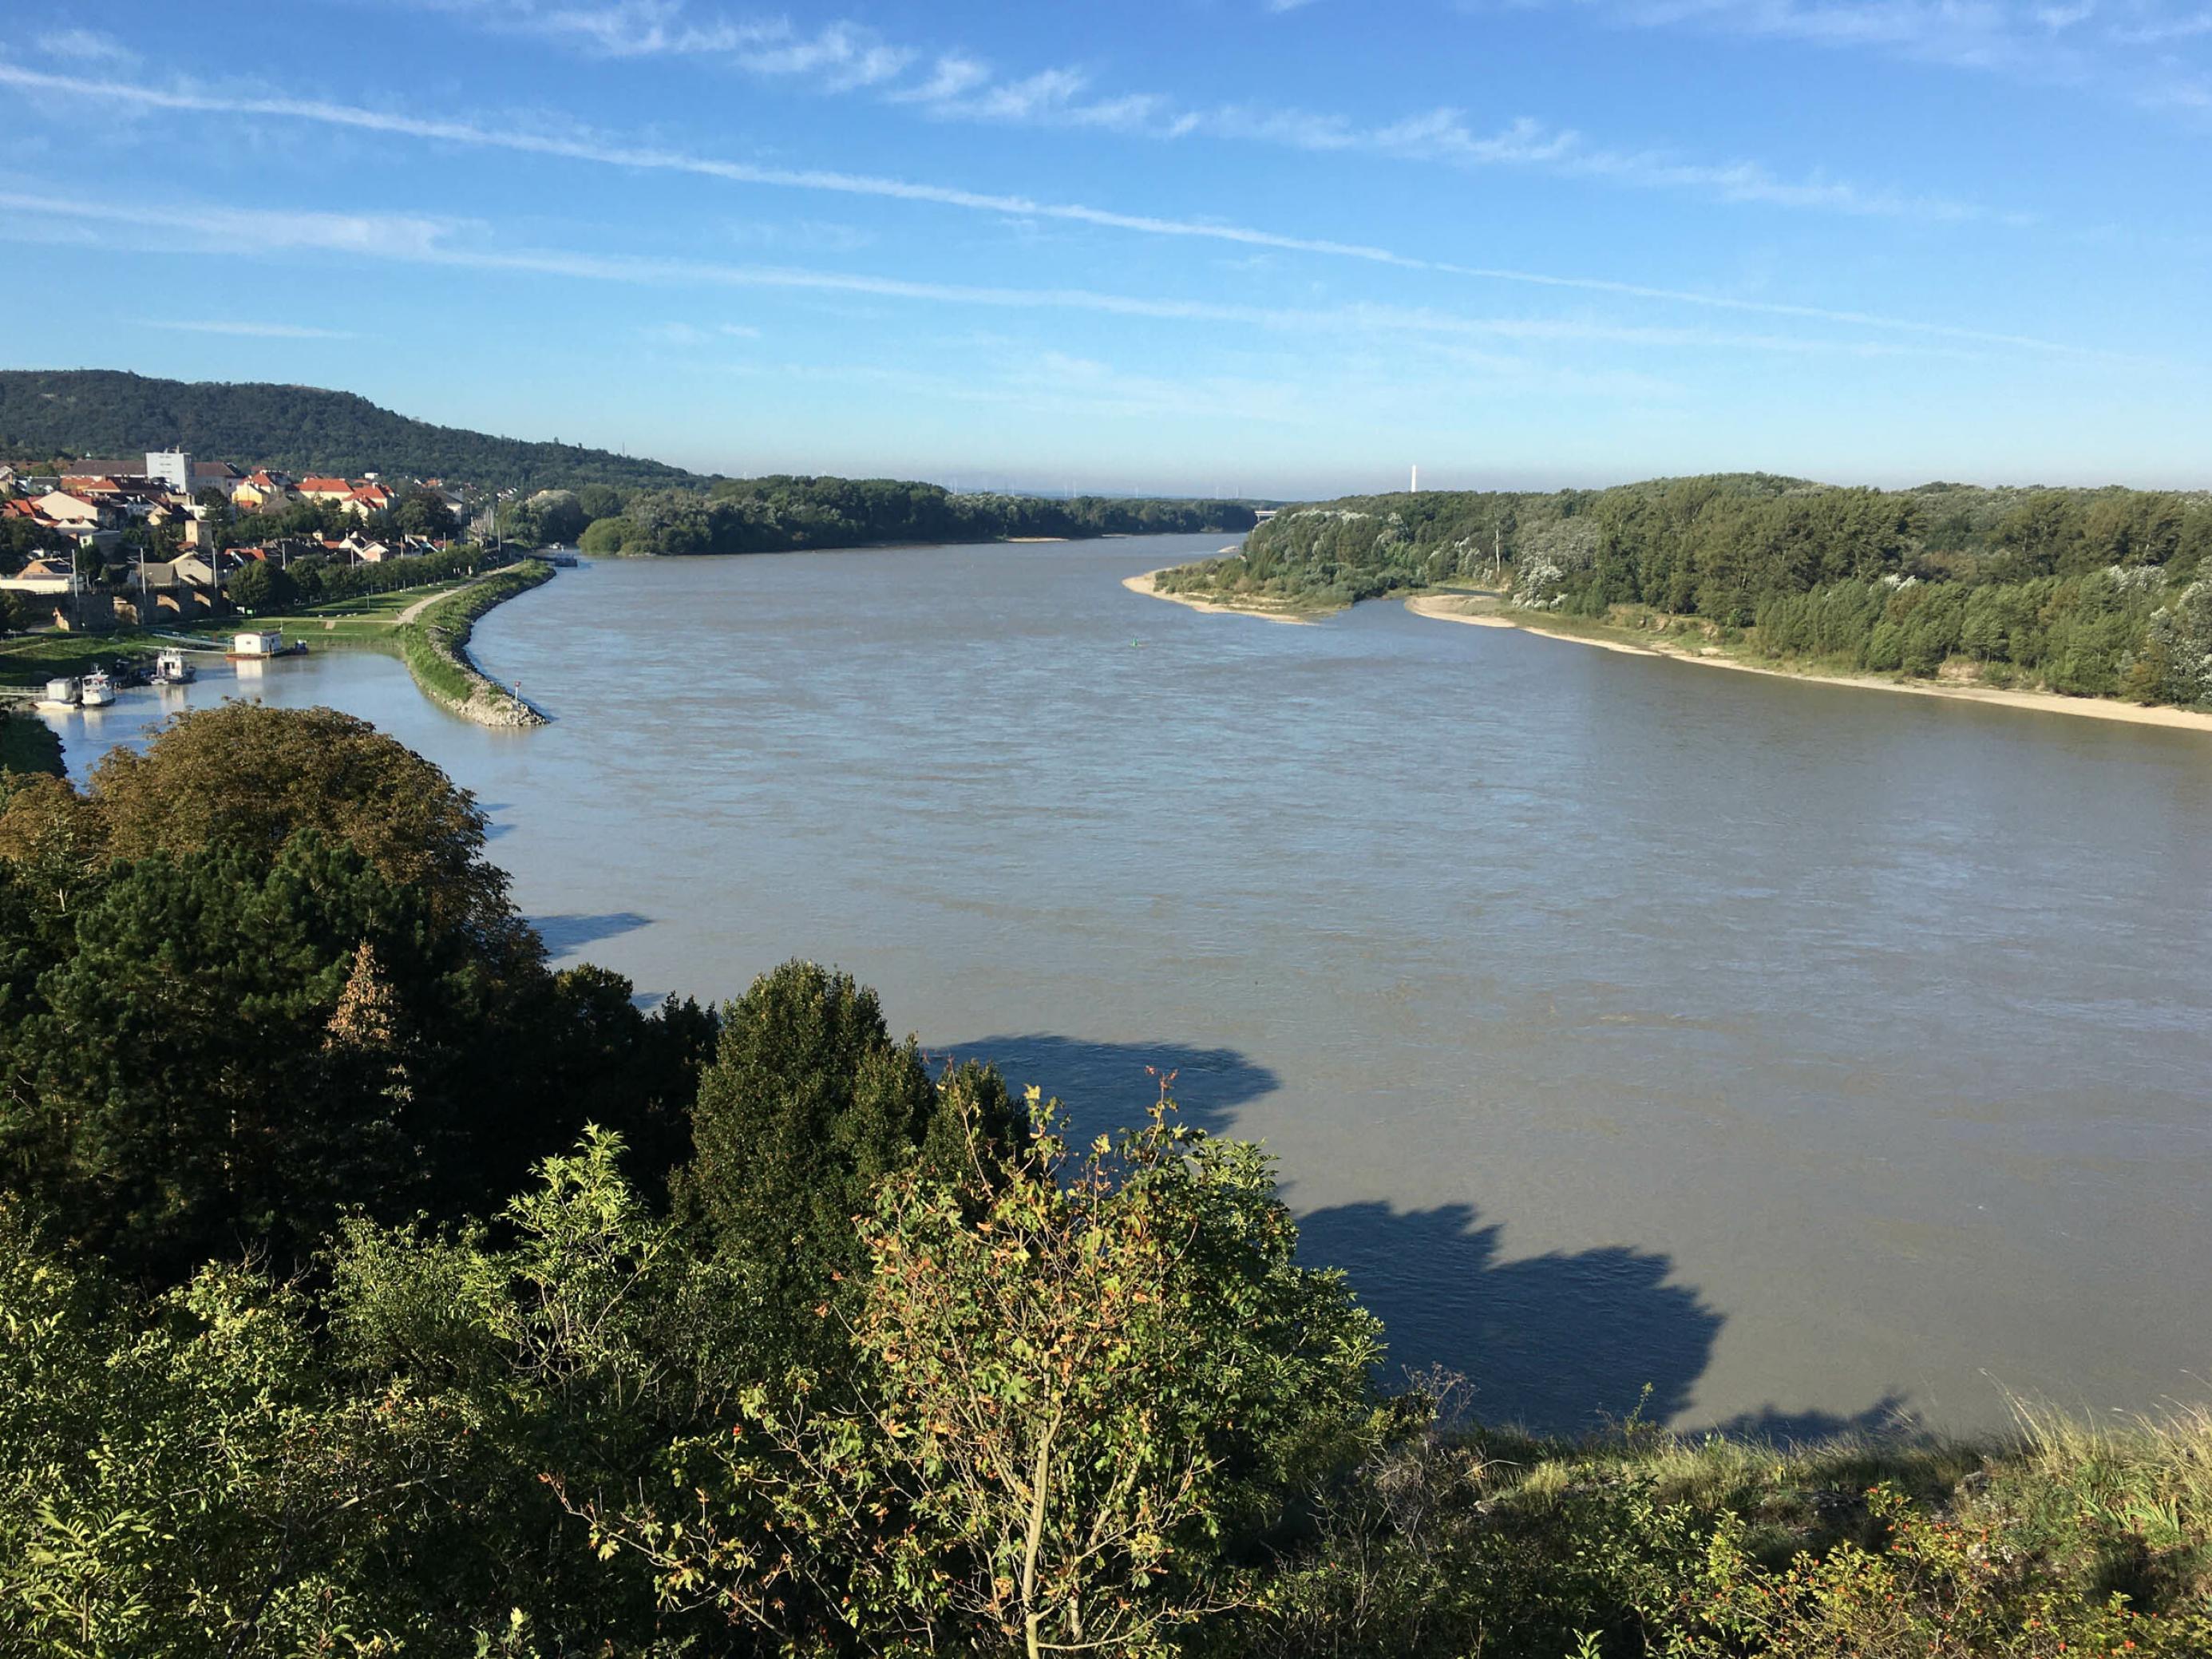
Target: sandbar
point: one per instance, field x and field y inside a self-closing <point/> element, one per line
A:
<point x="1145" y="585"/>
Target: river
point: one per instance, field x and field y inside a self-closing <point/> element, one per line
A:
<point x="1815" y="1056"/>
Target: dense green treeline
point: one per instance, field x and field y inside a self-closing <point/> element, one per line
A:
<point x="369" y="1289"/>
<point x="2098" y="592"/>
<point x="775" y="514"/>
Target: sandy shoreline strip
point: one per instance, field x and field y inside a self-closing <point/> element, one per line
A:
<point x="1444" y="607"/>
<point x="1150" y="589"/>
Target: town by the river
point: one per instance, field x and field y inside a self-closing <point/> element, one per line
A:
<point x="1815" y="1056"/>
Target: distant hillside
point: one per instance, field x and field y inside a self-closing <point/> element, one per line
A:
<point x="46" y="414"/>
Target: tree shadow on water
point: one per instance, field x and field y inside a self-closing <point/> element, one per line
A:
<point x="1558" y="1343"/>
<point x="1562" y="1343"/>
<point x="566" y="935"/>
<point x="1891" y="1419"/>
<point x="1105" y="1085"/>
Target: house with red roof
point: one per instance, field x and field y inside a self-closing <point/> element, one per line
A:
<point x="264" y="491"/>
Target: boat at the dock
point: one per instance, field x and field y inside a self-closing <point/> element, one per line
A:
<point x="171" y="667"/>
<point x="97" y="691"/>
<point x="59" y="694"/>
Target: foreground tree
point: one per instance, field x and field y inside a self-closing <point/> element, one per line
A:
<point x="182" y="1083"/>
<point x="242" y="772"/>
<point x="808" y="1104"/>
<point x="188" y="1482"/>
<point x="263" y="971"/>
<point x="1076" y="1385"/>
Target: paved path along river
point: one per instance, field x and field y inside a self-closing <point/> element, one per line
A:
<point x="1807" y="1053"/>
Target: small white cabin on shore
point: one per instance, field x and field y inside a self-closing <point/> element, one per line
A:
<point x="257" y="644"/>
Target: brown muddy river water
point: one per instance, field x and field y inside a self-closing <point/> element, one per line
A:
<point x="1810" y="1055"/>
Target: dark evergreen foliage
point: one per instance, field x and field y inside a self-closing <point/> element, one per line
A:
<point x="263" y="972"/>
<point x="808" y="1105"/>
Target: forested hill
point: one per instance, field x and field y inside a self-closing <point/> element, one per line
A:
<point x="629" y="505"/>
<point x="2099" y="593"/>
<point x="48" y="414"/>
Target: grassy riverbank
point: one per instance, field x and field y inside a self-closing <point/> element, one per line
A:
<point x="31" y="659"/>
<point x="434" y="643"/>
<point x="426" y="628"/>
<point x="369" y="621"/>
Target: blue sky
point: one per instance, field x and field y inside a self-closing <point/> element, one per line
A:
<point x="1161" y="245"/>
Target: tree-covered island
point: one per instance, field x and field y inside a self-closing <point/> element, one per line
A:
<point x="2088" y="592"/>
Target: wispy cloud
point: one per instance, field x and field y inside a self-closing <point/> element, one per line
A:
<point x="85" y="46"/>
<point x="837" y="56"/>
<point x="243" y="232"/>
<point x="2095" y="46"/>
<point x="807" y="235"/>
<point x="612" y="153"/>
<point x="1444" y="135"/>
<point x="958" y="85"/>
<point x="2194" y="25"/>
<point x="250" y="330"/>
<point x="691" y="334"/>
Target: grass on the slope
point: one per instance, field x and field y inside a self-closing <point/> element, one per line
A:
<point x="434" y="645"/>
<point x="369" y="619"/>
<point x="34" y="659"/>
<point x="2061" y="1539"/>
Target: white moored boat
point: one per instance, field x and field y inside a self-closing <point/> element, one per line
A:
<point x="98" y="691"/>
<point x="171" y="668"/>
<point x="59" y="694"/>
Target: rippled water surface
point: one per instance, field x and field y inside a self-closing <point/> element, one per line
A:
<point x="1807" y="1053"/>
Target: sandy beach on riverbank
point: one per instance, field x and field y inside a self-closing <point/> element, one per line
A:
<point x="1145" y="586"/>
<point x="1445" y="607"/>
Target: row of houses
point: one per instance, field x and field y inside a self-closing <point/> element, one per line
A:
<point x="210" y="569"/>
<point x="94" y="501"/>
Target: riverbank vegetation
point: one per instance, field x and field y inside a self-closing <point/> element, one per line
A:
<point x="434" y="646"/>
<point x="2089" y="593"/>
<point x="369" y="1287"/>
<point x="780" y="515"/>
<point x="367" y="615"/>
